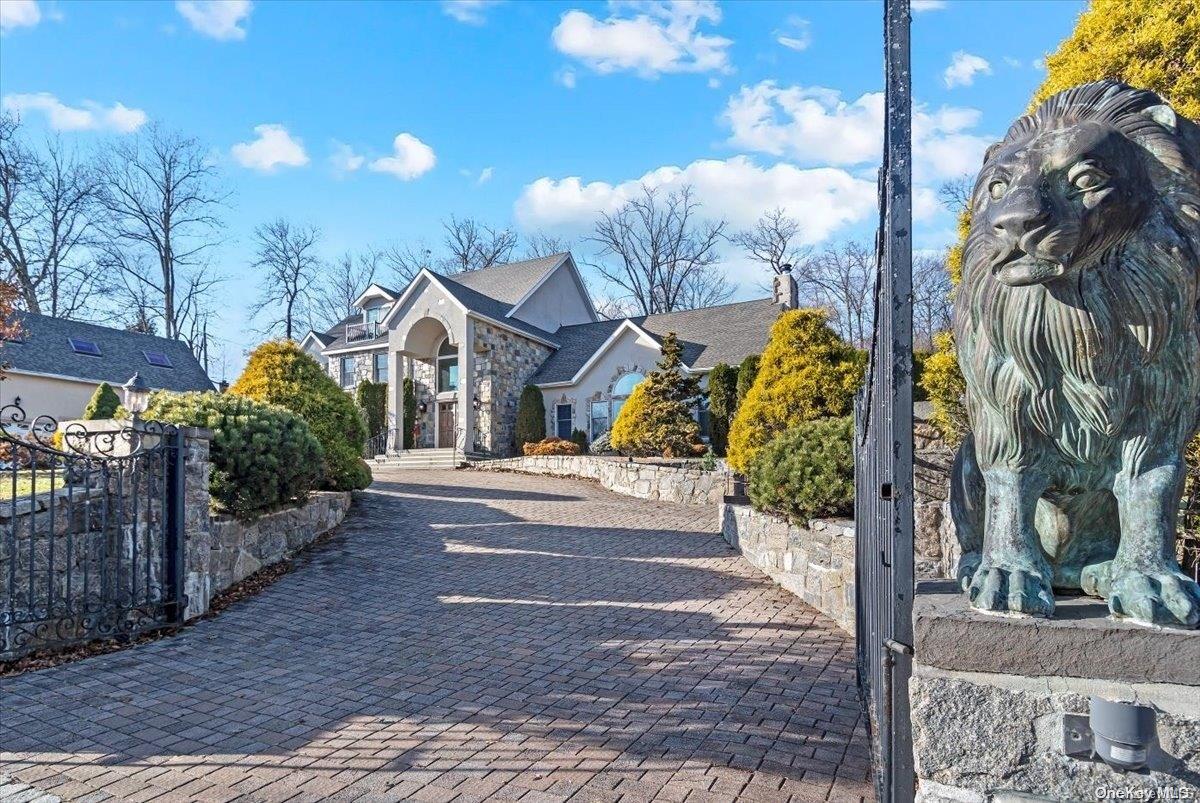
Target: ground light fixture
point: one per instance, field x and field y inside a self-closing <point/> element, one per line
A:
<point x="1122" y="735"/>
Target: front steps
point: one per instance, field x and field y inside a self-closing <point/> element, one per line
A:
<point x="426" y="459"/>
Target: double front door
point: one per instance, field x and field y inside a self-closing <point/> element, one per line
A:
<point x="445" y="425"/>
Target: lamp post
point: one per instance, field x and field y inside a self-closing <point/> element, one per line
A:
<point x="137" y="395"/>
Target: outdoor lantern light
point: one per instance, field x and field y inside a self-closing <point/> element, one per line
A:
<point x="422" y="408"/>
<point x="137" y="394"/>
<point x="477" y="404"/>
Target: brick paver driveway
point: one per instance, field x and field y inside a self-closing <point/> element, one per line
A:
<point x="469" y="636"/>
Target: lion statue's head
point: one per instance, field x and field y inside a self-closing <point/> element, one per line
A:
<point x="1077" y="178"/>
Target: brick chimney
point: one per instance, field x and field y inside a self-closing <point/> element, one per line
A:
<point x="786" y="293"/>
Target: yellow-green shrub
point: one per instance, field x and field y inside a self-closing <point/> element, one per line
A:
<point x="279" y="372"/>
<point x="656" y="419"/>
<point x="944" y="386"/>
<point x="807" y="372"/>
<point x="551" y="446"/>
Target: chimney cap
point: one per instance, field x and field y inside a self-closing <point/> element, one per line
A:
<point x="787" y="268"/>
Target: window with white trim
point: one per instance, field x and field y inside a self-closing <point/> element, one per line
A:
<point x="347" y="371"/>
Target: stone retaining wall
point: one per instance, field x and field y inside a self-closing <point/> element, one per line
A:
<point x="665" y="481"/>
<point x="234" y="550"/>
<point x="816" y="563"/>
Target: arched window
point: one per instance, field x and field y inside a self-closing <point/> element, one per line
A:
<point x="626" y="384"/>
<point x="447" y="367"/>
<point x="621" y="391"/>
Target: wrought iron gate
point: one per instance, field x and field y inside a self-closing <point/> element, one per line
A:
<point x="91" y="531"/>
<point x="883" y="505"/>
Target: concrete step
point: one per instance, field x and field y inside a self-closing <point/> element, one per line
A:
<point x="422" y="459"/>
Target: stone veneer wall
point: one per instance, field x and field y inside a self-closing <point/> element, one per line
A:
<point x="504" y="363"/>
<point x="660" y="481"/>
<point x="816" y="563"/>
<point x="423" y="376"/>
<point x="364" y="367"/>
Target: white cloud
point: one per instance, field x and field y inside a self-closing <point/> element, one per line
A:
<point x="485" y="175"/>
<point x="1039" y="65"/>
<point x="963" y="68"/>
<point x="274" y="148"/>
<point x="19" y="14"/>
<point x="736" y="189"/>
<point x="344" y="159"/>
<point x="655" y="37"/>
<point x="1012" y="62"/>
<point x="927" y="5"/>
<point x="566" y="77"/>
<point x="796" y="35"/>
<point x="817" y="127"/>
<point x="89" y="116"/>
<point x="412" y="158"/>
<point x="218" y="19"/>
<point x="469" y="12"/>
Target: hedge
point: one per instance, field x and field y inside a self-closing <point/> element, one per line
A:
<point x="551" y="446"/>
<point x="531" y="418"/>
<point x="263" y="456"/>
<point x="371" y="398"/>
<point x="722" y="404"/>
<point x="279" y="372"/>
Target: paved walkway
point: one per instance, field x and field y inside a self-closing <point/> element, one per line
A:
<point x="468" y="636"/>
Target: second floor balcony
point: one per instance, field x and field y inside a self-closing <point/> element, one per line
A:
<point x="362" y="331"/>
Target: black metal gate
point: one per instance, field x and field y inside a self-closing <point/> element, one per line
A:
<point x="91" y="530"/>
<point x="883" y="508"/>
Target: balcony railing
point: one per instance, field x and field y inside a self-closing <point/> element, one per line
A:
<point x="361" y="331"/>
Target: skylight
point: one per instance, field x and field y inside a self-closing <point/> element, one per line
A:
<point x="158" y="358"/>
<point x="81" y="346"/>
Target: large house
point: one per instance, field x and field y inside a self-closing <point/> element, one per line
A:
<point x="472" y="341"/>
<point x="54" y="365"/>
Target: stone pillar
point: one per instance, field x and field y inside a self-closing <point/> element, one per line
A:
<point x="466" y="386"/>
<point x="397" y="363"/>
<point x="989" y="695"/>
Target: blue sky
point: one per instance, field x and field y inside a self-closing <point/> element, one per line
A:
<point x="533" y="115"/>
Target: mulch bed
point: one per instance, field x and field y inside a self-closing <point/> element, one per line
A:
<point x="252" y="585"/>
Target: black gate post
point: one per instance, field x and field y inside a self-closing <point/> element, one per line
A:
<point x="884" y="457"/>
<point x="173" y="547"/>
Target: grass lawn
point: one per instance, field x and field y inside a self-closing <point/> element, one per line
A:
<point x="25" y="484"/>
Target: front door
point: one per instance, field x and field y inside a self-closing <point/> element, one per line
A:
<point x="445" y="430"/>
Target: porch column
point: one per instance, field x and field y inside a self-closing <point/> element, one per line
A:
<point x="396" y="373"/>
<point x="466" y="384"/>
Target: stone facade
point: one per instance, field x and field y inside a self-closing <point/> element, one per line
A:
<point x="504" y="362"/>
<point x="816" y="563"/>
<point x="666" y="481"/>
<point x="364" y="367"/>
<point x="424" y="391"/>
<point x="932" y="460"/>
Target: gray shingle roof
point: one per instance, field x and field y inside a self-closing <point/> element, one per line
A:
<point x="492" y="308"/>
<point x="727" y="334"/>
<point x="44" y="349"/>
<point x="508" y="283"/>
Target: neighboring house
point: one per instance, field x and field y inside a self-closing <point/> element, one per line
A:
<point x="473" y="340"/>
<point x="55" y="365"/>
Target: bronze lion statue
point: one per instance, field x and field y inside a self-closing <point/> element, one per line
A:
<point x="1078" y="331"/>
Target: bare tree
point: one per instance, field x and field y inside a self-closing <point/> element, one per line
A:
<point x="403" y="262"/>
<point x="840" y="278"/>
<point x="932" y="307"/>
<point x="955" y="194"/>
<point x="540" y="244"/>
<point x="287" y="257"/>
<point x="664" y="258"/>
<point x="157" y="192"/>
<point x="343" y="281"/>
<point x="471" y="245"/>
<point x="773" y="241"/>
<point x="47" y="212"/>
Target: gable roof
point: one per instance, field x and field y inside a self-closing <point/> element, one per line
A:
<point x="509" y="283"/>
<point x="489" y="307"/>
<point x="44" y="349"/>
<point x="728" y="334"/>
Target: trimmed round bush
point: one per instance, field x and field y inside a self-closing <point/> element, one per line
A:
<point x="103" y="404"/>
<point x="806" y="471"/>
<point x="279" y="372"/>
<point x="262" y="455"/>
<point x="551" y="446"/>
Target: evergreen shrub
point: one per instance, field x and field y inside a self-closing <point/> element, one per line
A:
<point x="806" y="471"/>
<point x="103" y="404"/>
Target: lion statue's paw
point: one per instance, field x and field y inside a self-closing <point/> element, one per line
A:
<point x="967" y="565"/>
<point x="1012" y="589"/>
<point x="1161" y="596"/>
